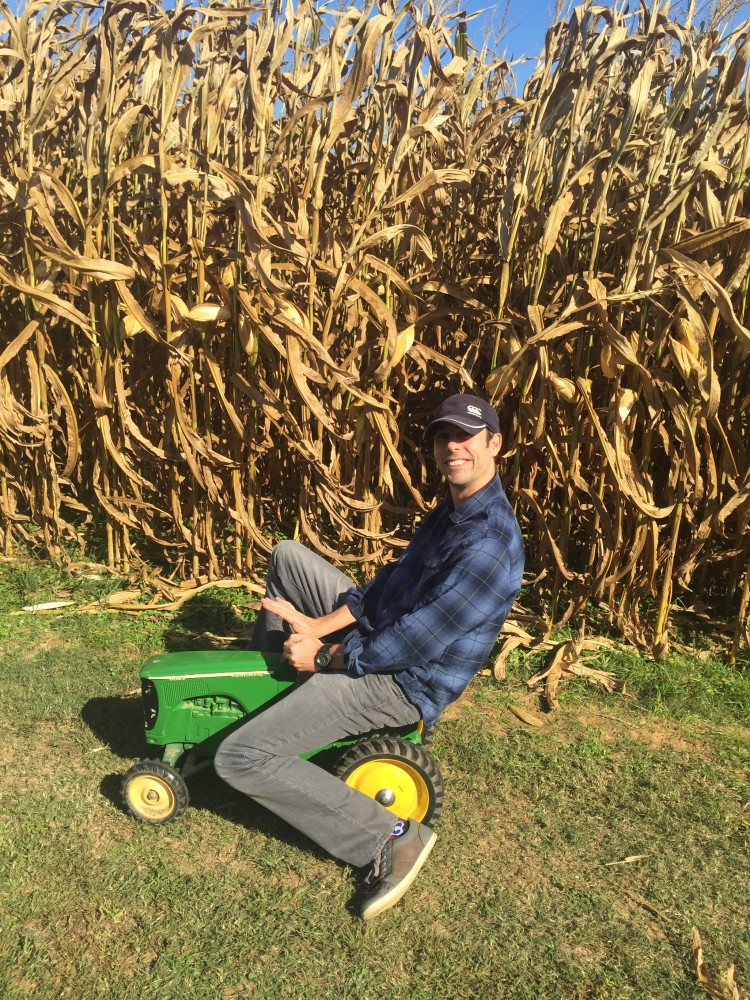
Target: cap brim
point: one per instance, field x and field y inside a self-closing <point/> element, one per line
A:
<point x="463" y="424"/>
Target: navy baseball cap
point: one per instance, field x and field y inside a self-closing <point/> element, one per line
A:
<point x="470" y="413"/>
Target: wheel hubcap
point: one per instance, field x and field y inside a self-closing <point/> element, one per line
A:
<point x="151" y="797"/>
<point x="386" y="797"/>
<point x="395" y="785"/>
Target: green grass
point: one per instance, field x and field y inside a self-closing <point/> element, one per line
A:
<point x="523" y="897"/>
<point x="684" y="687"/>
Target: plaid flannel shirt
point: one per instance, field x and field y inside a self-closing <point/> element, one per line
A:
<point x="432" y="618"/>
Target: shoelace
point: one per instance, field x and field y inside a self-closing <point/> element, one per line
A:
<point x="381" y="865"/>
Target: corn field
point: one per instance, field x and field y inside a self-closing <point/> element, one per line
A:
<point x="244" y="250"/>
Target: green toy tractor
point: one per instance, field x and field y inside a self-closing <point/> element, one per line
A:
<point x="192" y="701"/>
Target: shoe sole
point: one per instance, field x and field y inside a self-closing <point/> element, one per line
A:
<point x="389" y="899"/>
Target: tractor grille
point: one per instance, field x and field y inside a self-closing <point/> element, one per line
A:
<point x="150" y="704"/>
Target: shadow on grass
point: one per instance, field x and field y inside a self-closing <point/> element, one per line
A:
<point x="208" y="621"/>
<point x="118" y="724"/>
<point x="208" y="793"/>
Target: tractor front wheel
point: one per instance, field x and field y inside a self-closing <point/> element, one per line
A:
<point x="154" y="792"/>
<point x="399" y="774"/>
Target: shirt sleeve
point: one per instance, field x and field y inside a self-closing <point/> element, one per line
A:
<point x="472" y="590"/>
<point x="354" y="598"/>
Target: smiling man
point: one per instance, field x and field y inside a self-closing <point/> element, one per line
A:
<point x="388" y="653"/>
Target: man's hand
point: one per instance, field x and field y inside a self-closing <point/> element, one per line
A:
<point x="300" y="650"/>
<point x="301" y="647"/>
<point x="285" y="610"/>
<point x="339" y="619"/>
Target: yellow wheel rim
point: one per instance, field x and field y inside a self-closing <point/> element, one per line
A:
<point x="395" y="784"/>
<point x="150" y="797"/>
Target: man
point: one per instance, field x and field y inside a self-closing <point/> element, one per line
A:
<point x="398" y="649"/>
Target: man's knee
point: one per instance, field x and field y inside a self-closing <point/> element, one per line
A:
<point x="232" y="760"/>
<point x="285" y="554"/>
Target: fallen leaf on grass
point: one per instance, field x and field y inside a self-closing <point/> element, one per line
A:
<point x="603" y="678"/>
<point x="527" y="717"/>
<point x="721" y="989"/>
<point x="627" y="861"/>
<point x="699" y="654"/>
<point x="500" y="664"/>
<point x="223" y="640"/>
<point x="80" y="567"/>
<point x="120" y="601"/>
<point x="564" y="664"/>
<point x="563" y="659"/>
<point x="48" y="606"/>
<point x="122" y="597"/>
<point x="510" y="628"/>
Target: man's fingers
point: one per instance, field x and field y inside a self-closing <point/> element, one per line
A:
<point x="281" y="602"/>
<point x="288" y="613"/>
<point x="278" y="604"/>
<point x="300" y="650"/>
<point x="283" y="609"/>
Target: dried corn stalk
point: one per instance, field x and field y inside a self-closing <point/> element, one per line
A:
<point x="244" y="249"/>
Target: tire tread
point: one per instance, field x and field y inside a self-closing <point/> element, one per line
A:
<point x="168" y="774"/>
<point x="390" y="747"/>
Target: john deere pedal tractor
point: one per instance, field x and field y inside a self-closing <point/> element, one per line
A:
<point x="192" y="701"/>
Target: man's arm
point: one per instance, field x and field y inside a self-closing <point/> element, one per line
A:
<point x="301" y="647"/>
<point x="301" y="654"/>
<point x="477" y="588"/>
<point x="317" y="627"/>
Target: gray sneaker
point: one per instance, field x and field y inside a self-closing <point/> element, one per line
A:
<point x="396" y="867"/>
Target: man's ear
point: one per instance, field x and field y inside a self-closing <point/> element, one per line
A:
<point x="496" y="444"/>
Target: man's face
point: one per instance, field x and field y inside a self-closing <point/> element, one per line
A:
<point x="467" y="461"/>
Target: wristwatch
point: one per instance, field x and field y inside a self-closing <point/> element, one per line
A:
<point x="323" y="657"/>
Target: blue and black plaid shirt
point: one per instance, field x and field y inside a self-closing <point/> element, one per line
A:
<point x="432" y="618"/>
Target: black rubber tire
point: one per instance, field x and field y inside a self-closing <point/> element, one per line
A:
<point x="154" y="792"/>
<point x="418" y="764"/>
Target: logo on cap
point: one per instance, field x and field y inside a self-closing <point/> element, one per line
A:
<point x="475" y="410"/>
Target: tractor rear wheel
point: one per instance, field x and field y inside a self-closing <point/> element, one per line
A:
<point x="399" y="774"/>
<point x="154" y="792"/>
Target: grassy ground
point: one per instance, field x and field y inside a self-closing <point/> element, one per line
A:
<point x="531" y="891"/>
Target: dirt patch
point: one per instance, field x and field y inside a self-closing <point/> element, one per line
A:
<point x="457" y="708"/>
<point x="657" y="734"/>
<point x="496" y="719"/>
<point x="40" y="757"/>
<point x="44" y="643"/>
<point x="612" y="723"/>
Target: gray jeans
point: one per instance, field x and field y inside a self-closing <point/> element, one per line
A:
<point x="261" y="758"/>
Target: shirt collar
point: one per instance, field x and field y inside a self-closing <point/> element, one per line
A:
<point x="477" y="501"/>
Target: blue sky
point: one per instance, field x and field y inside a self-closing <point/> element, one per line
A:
<point x="527" y="22"/>
<point x="524" y="30"/>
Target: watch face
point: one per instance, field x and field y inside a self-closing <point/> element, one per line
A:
<point x="322" y="658"/>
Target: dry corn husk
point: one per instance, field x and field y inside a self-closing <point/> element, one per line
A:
<point x="233" y="289"/>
